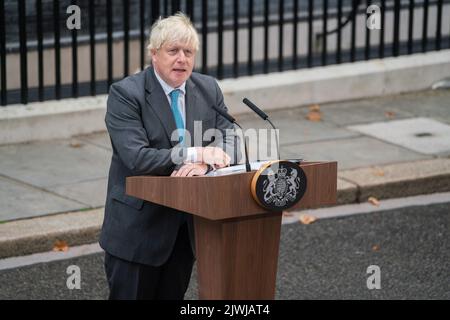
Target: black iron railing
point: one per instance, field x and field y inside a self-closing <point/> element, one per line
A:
<point x="290" y="34"/>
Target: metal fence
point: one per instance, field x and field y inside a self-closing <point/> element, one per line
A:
<point x="41" y="59"/>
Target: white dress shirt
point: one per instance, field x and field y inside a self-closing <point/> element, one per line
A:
<point x="191" y="152"/>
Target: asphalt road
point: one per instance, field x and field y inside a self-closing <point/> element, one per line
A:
<point x="324" y="260"/>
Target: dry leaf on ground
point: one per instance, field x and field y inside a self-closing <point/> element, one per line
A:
<point x="376" y="248"/>
<point x="374" y="201"/>
<point x="389" y="114"/>
<point x="307" y="219"/>
<point x="314" y="107"/>
<point x="378" y="172"/>
<point x="60" y="245"/>
<point x="75" y="144"/>
<point x="314" y="113"/>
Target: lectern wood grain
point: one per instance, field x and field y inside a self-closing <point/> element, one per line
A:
<point x="229" y="196"/>
<point x="322" y="184"/>
<point x="237" y="241"/>
<point x="239" y="257"/>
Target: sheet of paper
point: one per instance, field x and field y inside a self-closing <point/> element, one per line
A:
<point x="240" y="168"/>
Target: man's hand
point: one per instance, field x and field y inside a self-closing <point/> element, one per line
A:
<point x="190" y="169"/>
<point x="213" y="156"/>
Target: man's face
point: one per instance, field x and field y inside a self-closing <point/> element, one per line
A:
<point x="174" y="62"/>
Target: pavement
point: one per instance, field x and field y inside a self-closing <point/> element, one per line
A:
<point x="387" y="147"/>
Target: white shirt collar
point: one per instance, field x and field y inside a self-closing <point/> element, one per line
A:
<point x="168" y="89"/>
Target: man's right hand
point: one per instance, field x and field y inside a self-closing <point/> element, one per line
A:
<point x="213" y="156"/>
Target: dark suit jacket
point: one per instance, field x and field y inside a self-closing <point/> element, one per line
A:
<point x="140" y="123"/>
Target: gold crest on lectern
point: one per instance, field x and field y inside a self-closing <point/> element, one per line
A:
<point x="278" y="185"/>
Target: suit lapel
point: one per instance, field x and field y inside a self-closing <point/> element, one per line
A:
<point x="157" y="100"/>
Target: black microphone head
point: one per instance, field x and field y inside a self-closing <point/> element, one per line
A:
<point x="258" y="111"/>
<point x="224" y="114"/>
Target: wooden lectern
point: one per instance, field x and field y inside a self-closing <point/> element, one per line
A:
<point x="237" y="241"/>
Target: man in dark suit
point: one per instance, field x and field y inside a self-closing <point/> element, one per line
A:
<point x="152" y="118"/>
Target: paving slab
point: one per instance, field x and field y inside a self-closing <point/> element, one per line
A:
<point x="433" y="104"/>
<point x="91" y="193"/>
<point x="21" y="201"/>
<point x="54" y="163"/>
<point x="100" y="139"/>
<point x="422" y="135"/>
<point x="362" y="111"/>
<point x="430" y="104"/>
<point x="300" y="130"/>
<point x="352" y="153"/>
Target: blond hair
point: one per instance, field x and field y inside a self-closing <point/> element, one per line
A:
<point x="176" y="28"/>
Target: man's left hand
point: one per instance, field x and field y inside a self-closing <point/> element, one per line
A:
<point x="190" y="169"/>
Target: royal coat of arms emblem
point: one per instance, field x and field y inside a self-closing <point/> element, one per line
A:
<point x="279" y="185"/>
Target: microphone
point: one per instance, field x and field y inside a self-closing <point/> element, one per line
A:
<point x="265" y="117"/>
<point x="224" y="114"/>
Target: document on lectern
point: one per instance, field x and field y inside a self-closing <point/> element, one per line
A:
<point x="240" y="168"/>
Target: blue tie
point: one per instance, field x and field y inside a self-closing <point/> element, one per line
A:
<point x="176" y="113"/>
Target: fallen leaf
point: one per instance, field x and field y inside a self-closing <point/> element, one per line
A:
<point x="389" y="114"/>
<point x="378" y="172"/>
<point x="375" y="248"/>
<point x="314" y="107"/>
<point x="60" y="245"/>
<point x="314" y="113"/>
<point x="307" y="219"/>
<point x="75" y="144"/>
<point x="374" y="201"/>
<point x="314" y="116"/>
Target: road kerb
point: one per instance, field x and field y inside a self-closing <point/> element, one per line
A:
<point x="27" y="236"/>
